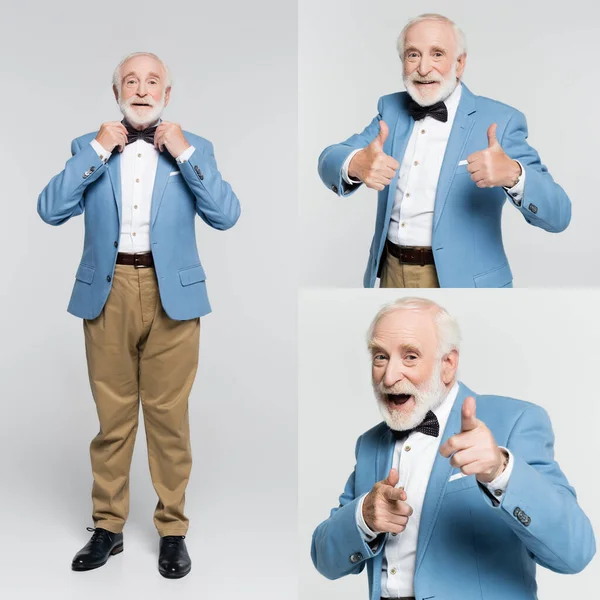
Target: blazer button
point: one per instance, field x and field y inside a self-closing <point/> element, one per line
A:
<point x="334" y="189"/>
<point x="108" y="278"/>
<point x="517" y="513"/>
<point x="116" y="244"/>
<point x="356" y="558"/>
<point x="533" y="208"/>
<point x="92" y="169"/>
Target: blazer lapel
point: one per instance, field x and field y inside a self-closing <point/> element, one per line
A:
<point x="461" y="128"/>
<point x="114" y="172"/>
<point x="439" y="478"/>
<point x="165" y="163"/>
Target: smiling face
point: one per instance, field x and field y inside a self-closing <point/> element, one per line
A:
<point x="143" y="94"/>
<point x="409" y="375"/>
<point x="431" y="64"/>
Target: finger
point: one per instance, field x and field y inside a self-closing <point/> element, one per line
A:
<point x="457" y="442"/>
<point x="393" y="494"/>
<point x="393" y="478"/>
<point x="468" y="420"/>
<point x="491" y="135"/>
<point x="382" y="136"/>
<point x="465" y="457"/>
<point x="122" y="129"/>
<point x="392" y="163"/>
<point x="482" y="183"/>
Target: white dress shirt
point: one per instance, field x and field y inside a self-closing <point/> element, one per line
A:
<point x="138" y="170"/>
<point x="411" y="222"/>
<point x="414" y="457"/>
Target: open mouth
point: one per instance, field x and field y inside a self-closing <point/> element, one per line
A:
<point x="398" y="399"/>
<point x="426" y="82"/>
<point x="139" y="104"/>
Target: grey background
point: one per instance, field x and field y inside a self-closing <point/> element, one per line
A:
<point x="234" y="70"/>
<point x="535" y="56"/>
<point x="528" y="344"/>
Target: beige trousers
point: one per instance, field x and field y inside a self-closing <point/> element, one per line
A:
<point x="135" y="352"/>
<point x="396" y="274"/>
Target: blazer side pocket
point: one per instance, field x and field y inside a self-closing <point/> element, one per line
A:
<point x="191" y="275"/>
<point x="85" y="274"/>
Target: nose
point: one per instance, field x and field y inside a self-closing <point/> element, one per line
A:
<point x="142" y="90"/>
<point x="394" y="373"/>
<point x="424" y="66"/>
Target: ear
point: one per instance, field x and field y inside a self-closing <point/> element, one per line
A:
<point x="449" y="366"/>
<point x="116" y="93"/>
<point x="461" y="61"/>
<point x="167" y="95"/>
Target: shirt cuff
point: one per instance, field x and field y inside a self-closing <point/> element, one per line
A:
<point x="345" y="167"/>
<point x="368" y="535"/>
<point x="185" y="155"/>
<point x="516" y="192"/>
<point x="498" y="486"/>
<point x="103" y="154"/>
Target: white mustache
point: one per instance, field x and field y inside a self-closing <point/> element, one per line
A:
<point x="417" y="79"/>
<point x="401" y="387"/>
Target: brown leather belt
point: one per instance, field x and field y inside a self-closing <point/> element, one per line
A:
<point x="139" y="261"/>
<point x="411" y="255"/>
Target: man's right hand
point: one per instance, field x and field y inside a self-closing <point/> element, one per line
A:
<point x="372" y="165"/>
<point x="111" y="135"/>
<point x="385" y="509"/>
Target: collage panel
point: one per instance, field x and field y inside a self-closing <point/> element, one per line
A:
<point x="476" y="176"/>
<point x="445" y="444"/>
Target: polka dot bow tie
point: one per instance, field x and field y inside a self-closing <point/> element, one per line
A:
<point x="429" y="426"/>
<point x="437" y="111"/>
<point x="133" y="135"/>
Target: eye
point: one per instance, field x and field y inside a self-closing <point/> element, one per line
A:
<point x="153" y="82"/>
<point x="438" y="54"/>
<point x="410" y="357"/>
<point x="378" y="358"/>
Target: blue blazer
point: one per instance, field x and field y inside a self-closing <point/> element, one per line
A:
<point x="87" y="185"/>
<point x="470" y="545"/>
<point x="467" y="237"/>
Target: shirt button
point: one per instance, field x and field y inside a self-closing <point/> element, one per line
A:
<point x="422" y="131"/>
<point x="407" y="448"/>
<point x="394" y="534"/>
<point x="402" y="224"/>
<point x="416" y="163"/>
<point x="139" y="156"/>
<point x="498" y="493"/>
<point x="133" y="234"/>
<point x="407" y="194"/>
<point x="137" y="180"/>
<point x="101" y="157"/>
<point x="393" y="571"/>
<point x="135" y="206"/>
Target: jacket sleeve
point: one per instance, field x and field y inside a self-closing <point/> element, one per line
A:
<point x="216" y="203"/>
<point x="539" y="504"/>
<point x="545" y="204"/>
<point x="63" y="197"/>
<point x="333" y="157"/>
<point x="338" y="547"/>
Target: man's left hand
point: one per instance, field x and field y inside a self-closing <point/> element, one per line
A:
<point x="493" y="167"/>
<point x="474" y="450"/>
<point x="170" y="136"/>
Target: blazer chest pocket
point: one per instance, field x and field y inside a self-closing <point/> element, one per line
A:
<point x="461" y="483"/>
<point x="85" y="274"/>
<point x="191" y="275"/>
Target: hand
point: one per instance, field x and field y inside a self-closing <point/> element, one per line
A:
<point x="493" y="167"/>
<point x="474" y="450"/>
<point x="372" y="165"/>
<point x="169" y="136"/>
<point x="112" y="134"/>
<point x="385" y="508"/>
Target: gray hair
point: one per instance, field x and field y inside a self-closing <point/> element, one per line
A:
<point x="447" y="329"/>
<point x="461" y="40"/>
<point x="117" y="73"/>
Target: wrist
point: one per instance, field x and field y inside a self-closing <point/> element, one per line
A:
<point x="515" y="174"/>
<point x="352" y="167"/>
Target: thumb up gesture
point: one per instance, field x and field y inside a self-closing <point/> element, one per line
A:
<point x="474" y="450"/>
<point x="372" y="165"/>
<point x="385" y="509"/>
<point x="493" y="167"/>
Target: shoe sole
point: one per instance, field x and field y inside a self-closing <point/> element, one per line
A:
<point x="168" y="575"/>
<point x="116" y="550"/>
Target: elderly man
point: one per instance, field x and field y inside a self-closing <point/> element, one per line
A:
<point x="455" y="495"/>
<point x="444" y="161"/>
<point x="140" y="290"/>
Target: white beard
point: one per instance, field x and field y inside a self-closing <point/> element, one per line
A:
<point x="148" y="118"/>
<point x="448" y="85"/>
<point x="429" y="397"/>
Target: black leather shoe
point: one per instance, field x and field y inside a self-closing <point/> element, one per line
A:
<point x="96" y="552"/>
<point x="173" y="558"/>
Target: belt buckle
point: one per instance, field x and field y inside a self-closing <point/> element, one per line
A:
<point x="138" y="265"/>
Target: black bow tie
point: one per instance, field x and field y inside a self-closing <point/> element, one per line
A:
<point x="429" y="426"/>
<point x="437" y="111"/>
<point x="133" y="135"/>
